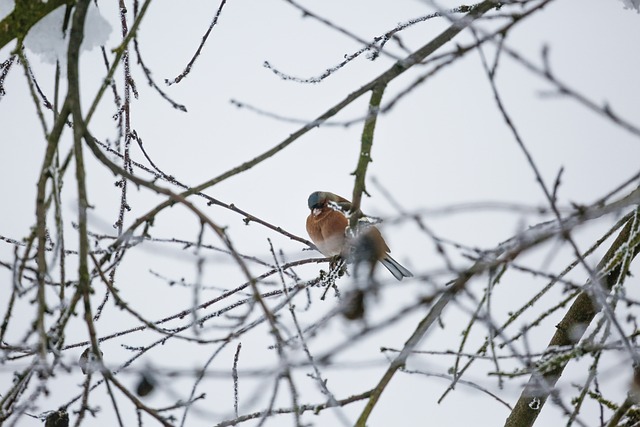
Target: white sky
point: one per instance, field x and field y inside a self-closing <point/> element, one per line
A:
<point x="445" y="143"/>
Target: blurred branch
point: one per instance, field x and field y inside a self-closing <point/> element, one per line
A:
<point x="315" y="408"/>
<point x="120" y="51"/>
<point x="375" y="47"/>
<point x="425" y="324"/>
<point x="393" y="72"/>
<point x="211" y="201"/>
<point x="397" y="69"/>
<point x="564" y="89"/>
<point x="296" y="364"/>
<point x="631" y="400"/>
<point x="611" y="271"/>
<point x="507" y="252"/>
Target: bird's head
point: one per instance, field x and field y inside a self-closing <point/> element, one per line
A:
<point x="320" y="199"/>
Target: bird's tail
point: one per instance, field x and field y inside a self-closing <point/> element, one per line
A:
<point x="398" y="271"/>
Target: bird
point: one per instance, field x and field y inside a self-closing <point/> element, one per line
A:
<point x="327" y="223"/>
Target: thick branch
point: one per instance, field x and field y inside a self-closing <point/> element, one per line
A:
<point x="365" y="150"/>
<point x="612" y="270"/>
<point x="25" y="15"/>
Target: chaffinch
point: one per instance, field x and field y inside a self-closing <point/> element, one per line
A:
<point x="327" y="224"/>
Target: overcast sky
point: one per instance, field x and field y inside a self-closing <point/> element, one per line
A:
<point x="443" y="144"/>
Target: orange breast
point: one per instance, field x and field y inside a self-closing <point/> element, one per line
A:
<point x="326" y="229"/>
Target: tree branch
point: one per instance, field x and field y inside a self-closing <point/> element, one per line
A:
<point x="25" y="15"/>
<point x="611" y="271"/>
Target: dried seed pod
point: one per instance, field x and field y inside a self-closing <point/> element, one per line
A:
<point x="59" y="418"/>
<point x="353" y="305"/>
<point x="146" y="385"/>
